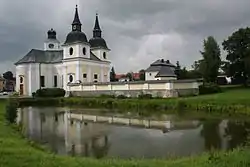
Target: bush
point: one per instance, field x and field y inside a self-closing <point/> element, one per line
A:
<point x="145" y="96"/>
<point x="50" y="92"/>
<point x="34" y="94"/>
<point x="209" y="88"/>
<point x="121" y="97"/>
<point x="106" y="96"/>
<point x="11" y="111"/>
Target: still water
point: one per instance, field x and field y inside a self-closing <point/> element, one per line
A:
<point x="68" y="132"/>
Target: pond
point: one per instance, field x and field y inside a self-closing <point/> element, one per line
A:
<point x="79" y="133"/>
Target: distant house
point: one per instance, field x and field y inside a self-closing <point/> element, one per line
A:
<point x="9" y="85"/>
<point x="121" y="78"/>
<point x="125" y="78"/>
<point x="161" y="70"/>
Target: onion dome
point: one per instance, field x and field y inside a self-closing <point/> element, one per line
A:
<point x="97" y="41"/>
<point x="76" y="35"/>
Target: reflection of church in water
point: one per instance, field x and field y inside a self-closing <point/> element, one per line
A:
<point x="67" y="134"/>
<point x="57" y="130"/>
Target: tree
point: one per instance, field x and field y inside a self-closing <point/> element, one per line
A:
<point x="8" y="75"/>
<point x="130" y="76"/>
<point x="142" y="75"/>
<point x="238" y="54"/>
<point x="210" y="64"/>
<point x="112" y="75"/>
<point x="177" y="70"/>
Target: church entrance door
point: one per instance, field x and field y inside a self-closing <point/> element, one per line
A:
<point x="21" y="89"/>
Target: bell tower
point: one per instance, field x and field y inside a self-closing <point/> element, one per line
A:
<point x="51" y="43"/>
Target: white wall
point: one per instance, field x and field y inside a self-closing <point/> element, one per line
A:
<point x="30" y="73"/>
<point x="149" y="76"/>
<point x="56" y="44"/>
<point x="77" y="50"/>
<point x="99" y="53"/>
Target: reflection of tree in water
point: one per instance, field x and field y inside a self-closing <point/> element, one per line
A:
<point x="100" y="151"/>
<point x="238" y="133"/>
<point x="211" y="134"/>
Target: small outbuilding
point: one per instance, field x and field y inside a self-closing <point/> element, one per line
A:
<point x="161" y="70"/>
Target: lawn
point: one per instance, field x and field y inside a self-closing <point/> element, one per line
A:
<point x="16" y="151"/>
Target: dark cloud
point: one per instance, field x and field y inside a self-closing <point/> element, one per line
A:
<point x="137" y="31"/>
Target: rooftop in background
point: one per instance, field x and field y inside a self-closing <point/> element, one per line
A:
<point x="136" y="76"/>
<point x="164" y="68"/>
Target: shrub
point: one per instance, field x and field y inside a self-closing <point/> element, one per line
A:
<point x="11" y="111"/>
<point x="50" y="92"/>
<point x="106" y="96"/>
<point x="15" y="94"/>
<point x="121" y="97"/>
<point x="209" y="88"/>
<point x="34" y="94"/>
<point x="145" y="96"/>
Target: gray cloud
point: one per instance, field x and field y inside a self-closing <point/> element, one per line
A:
<point x="137" y="31"/>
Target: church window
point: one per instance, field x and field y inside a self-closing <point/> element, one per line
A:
<point x="21" y="80"/>
<point x="84" y="51"/>
<point x="70" y="78"/>
<point x="42" y="81"/>
<point x="84" y="75"/>
<point x="55" y="81"/>
<point x="95" y="76"/>
<point x="71" y="51"/>
<point x="104" y="55"/>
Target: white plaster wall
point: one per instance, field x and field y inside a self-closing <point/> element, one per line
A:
<point x="91" y="65"/>
<point x="140" y="86"/>
<point x="32" y="76"/>
<point x="149" y="76"/>
<point x="99" y="53"/>
<point x="77" y="51"/>
<point x="57" y="45"/>
<point x="22" y="70"/>
<point x="166" y="78"/>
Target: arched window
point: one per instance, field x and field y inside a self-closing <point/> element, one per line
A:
<point x="21" y="80"/>
<point x="71" y="78"/>
<point x="71" y="51"/>
<point x="84" y="51"/>
<point x="104" y="55"/>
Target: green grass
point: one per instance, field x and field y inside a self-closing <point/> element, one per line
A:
<point x="16" y="151"/>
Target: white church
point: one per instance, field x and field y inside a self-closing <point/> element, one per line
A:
<point x="77" y="60"/>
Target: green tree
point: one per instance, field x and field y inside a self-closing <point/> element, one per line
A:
<point x="238" y="54"/>
<point x="130" y="76"/>
<point x="8" y="75"/>
<point x="210" y="64"/>
<point x="112" y="75"/>
<point x="178" y="70"/>
<point x="142" y="75"/>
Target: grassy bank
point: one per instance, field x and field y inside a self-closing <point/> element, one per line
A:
<point x="232" y="102"/>
<point x="16" y="151"/>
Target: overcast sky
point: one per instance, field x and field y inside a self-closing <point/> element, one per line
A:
<point x="137" y="31"/>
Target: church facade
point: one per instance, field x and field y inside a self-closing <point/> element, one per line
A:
<point x="77" y="60"/>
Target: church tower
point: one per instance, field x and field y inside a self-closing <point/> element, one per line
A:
<point x="51" y="43"/>
<point x="76" y="44"/>
<point x="98" y="44"/>
<point x="75" y="49"/>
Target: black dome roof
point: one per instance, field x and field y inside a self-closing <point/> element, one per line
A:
<point x="98" y="42"/>
<point x="76" y="36"/>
